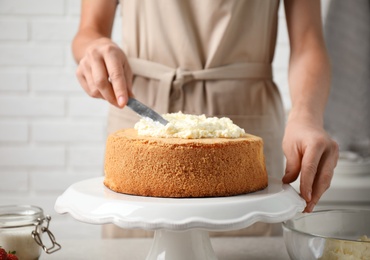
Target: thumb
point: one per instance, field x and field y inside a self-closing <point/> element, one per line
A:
<point x="293" y="165"/>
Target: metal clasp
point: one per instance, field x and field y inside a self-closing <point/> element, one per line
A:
<point x="37" y="235"/>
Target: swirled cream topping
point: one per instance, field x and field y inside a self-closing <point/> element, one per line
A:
<point x="189" y="127"/>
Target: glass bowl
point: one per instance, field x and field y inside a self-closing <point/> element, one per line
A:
<point x="328" y="234"/>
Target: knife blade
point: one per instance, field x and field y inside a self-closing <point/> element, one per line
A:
<point x="145" y="111"/>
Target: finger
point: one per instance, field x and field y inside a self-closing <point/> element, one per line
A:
<point x="321" y="184"/>
<point x="323" y="177"/>
<point x="82" y="80"/>
<point x="310" y="163"/>
<point x="100" y="81"/>
<point x="293" y="165"/>
<point x="118" y="79"/>
<point x="83" y="73"/>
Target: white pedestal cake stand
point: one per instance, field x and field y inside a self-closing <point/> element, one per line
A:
<point x="181" y="225"/>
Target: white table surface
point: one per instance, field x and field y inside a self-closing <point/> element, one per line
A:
<point x="230" y="248"/>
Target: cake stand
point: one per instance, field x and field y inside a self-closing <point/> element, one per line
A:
<point x="181" y="224"/>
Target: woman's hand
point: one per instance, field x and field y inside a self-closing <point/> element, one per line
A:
<point x="308" y="148"/>
<point x="310" y="151"/>
<point x="104" y="72"/>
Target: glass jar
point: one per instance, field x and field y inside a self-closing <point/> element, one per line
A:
<point x="21" y="230"/>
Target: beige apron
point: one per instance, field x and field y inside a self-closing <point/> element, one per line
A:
<point x="209" y="57"/>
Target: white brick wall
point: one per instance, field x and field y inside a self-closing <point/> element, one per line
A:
<point x="13" y="79"/>
<point x="34" y="7"/>
<point x="51" y="133"/>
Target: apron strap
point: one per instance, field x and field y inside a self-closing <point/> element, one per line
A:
<point x="176" y="77"/>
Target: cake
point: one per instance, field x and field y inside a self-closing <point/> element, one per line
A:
<point x="170" y="162"/>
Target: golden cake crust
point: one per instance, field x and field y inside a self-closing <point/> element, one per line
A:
<point x="175" y="167"/>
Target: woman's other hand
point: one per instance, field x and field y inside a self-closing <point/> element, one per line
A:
<point x="309" y="150"/>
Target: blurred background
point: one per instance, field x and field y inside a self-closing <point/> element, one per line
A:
<point x="53" y="135"/>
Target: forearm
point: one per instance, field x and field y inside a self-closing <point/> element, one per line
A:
<point x="94" y="24"/>
<point x="309" y="81"/>
<point x="309" y="69"/>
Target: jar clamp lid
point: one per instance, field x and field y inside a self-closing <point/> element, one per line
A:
<point x="18" y="216"/>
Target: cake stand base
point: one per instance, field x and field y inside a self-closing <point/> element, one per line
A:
<point x="181" y="245"/>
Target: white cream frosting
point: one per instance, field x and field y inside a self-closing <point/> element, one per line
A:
<point x="189" y="127"/>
